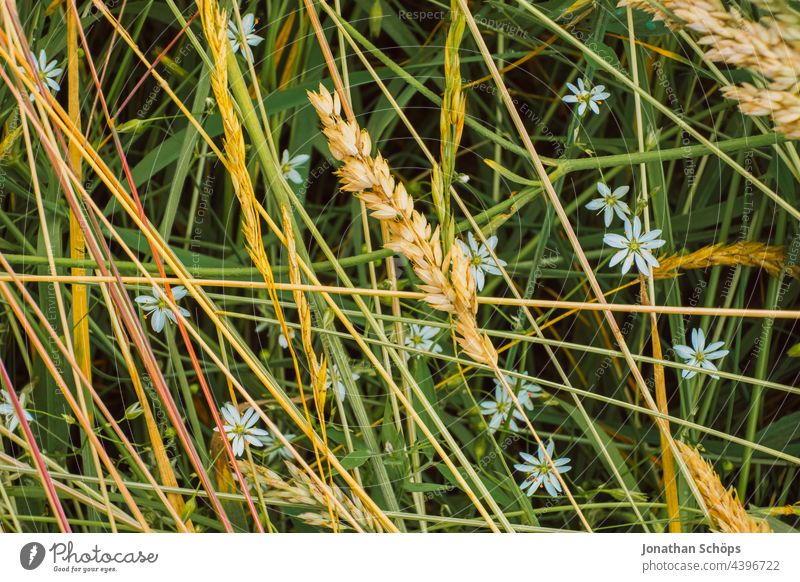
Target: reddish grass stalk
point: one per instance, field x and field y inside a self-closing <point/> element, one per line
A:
<point x="202" y="474"/>
<point x="153" y="65"/>
<point x="124" y="304"/>
<point x="47" y="481"/>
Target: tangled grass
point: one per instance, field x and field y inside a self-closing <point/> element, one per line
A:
<point x="380" y="267"/>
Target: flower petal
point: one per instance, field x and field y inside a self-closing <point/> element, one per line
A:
<point x="157" y="320"/>
<point x="618" y="257"/>
<point x="626" y="266"/>
<point x="616" y="241"/>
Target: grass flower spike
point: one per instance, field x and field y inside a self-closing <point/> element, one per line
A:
<point x="584" y="97"/>
<point x="768" y="48"/>
<point x="380" y="292"/>
<point x="245" y="38"/>
<point x="155" y="306"/>
<point x="539" y="472"/>
<point x="610" y="203"/>
<point x="635" y="247"/>
<point x="446" y="280"/>
<point x="241" y="427"/>
<point x="700" y="354"/>
<point x="726" y="512"/>
<point x="9" y="413"/>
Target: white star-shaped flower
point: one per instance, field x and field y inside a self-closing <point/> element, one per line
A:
<point x="276" y="449"/>
<point x="525" y="390"/>
<point x="480" y="260"/>
<point x="584" y="97"/>
<point x="48" y="72"/>
<point x="635" y="246"/>
<point x="7" y="410"/>
<point x="423" y="337"/>
<point x="700" y="354"/>
<point x="539" y="472"/>
<point x="282" y="341"/>
<point x="339" y="387"/>
<point x="289" y="166"/>
<point x="155" y="306"/>
<point x="241" y="427"/>
<point x="250" y="38"/>
<point x="503" y="409"/>
<point x="610" y="202"/>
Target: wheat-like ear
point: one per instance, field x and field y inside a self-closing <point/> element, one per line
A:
<point x="214" y="23"/>
<point x="726" y="511"/>
<point x="771" y="258"/>
<point x="300" y="490"/>
<point x="768" y="48"/>
<point x="215" y="28"/>
<point x="446" y="280"/>
<point x="316" y="364"/>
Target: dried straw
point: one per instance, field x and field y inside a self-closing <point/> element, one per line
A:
<point x="214" y="22"/>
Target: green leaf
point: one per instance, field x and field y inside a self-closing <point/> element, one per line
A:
<point x="412" y="487"/>
<point x="355" y="459"/>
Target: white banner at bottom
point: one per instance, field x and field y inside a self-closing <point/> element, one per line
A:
<point x="388" y="558"/>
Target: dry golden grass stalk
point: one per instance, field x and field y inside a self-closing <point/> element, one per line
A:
<point x="214" y="23"/>
<point x="446" y="278"/>
<point x="724" y="507"/>
<point x="668" y="479"/>
<point x="300" y="490"/>
<point x="768" y="48"/>
<point x="745" y="253"/>
<point x="317" y="365"/>
<point x="215" y="27"/>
